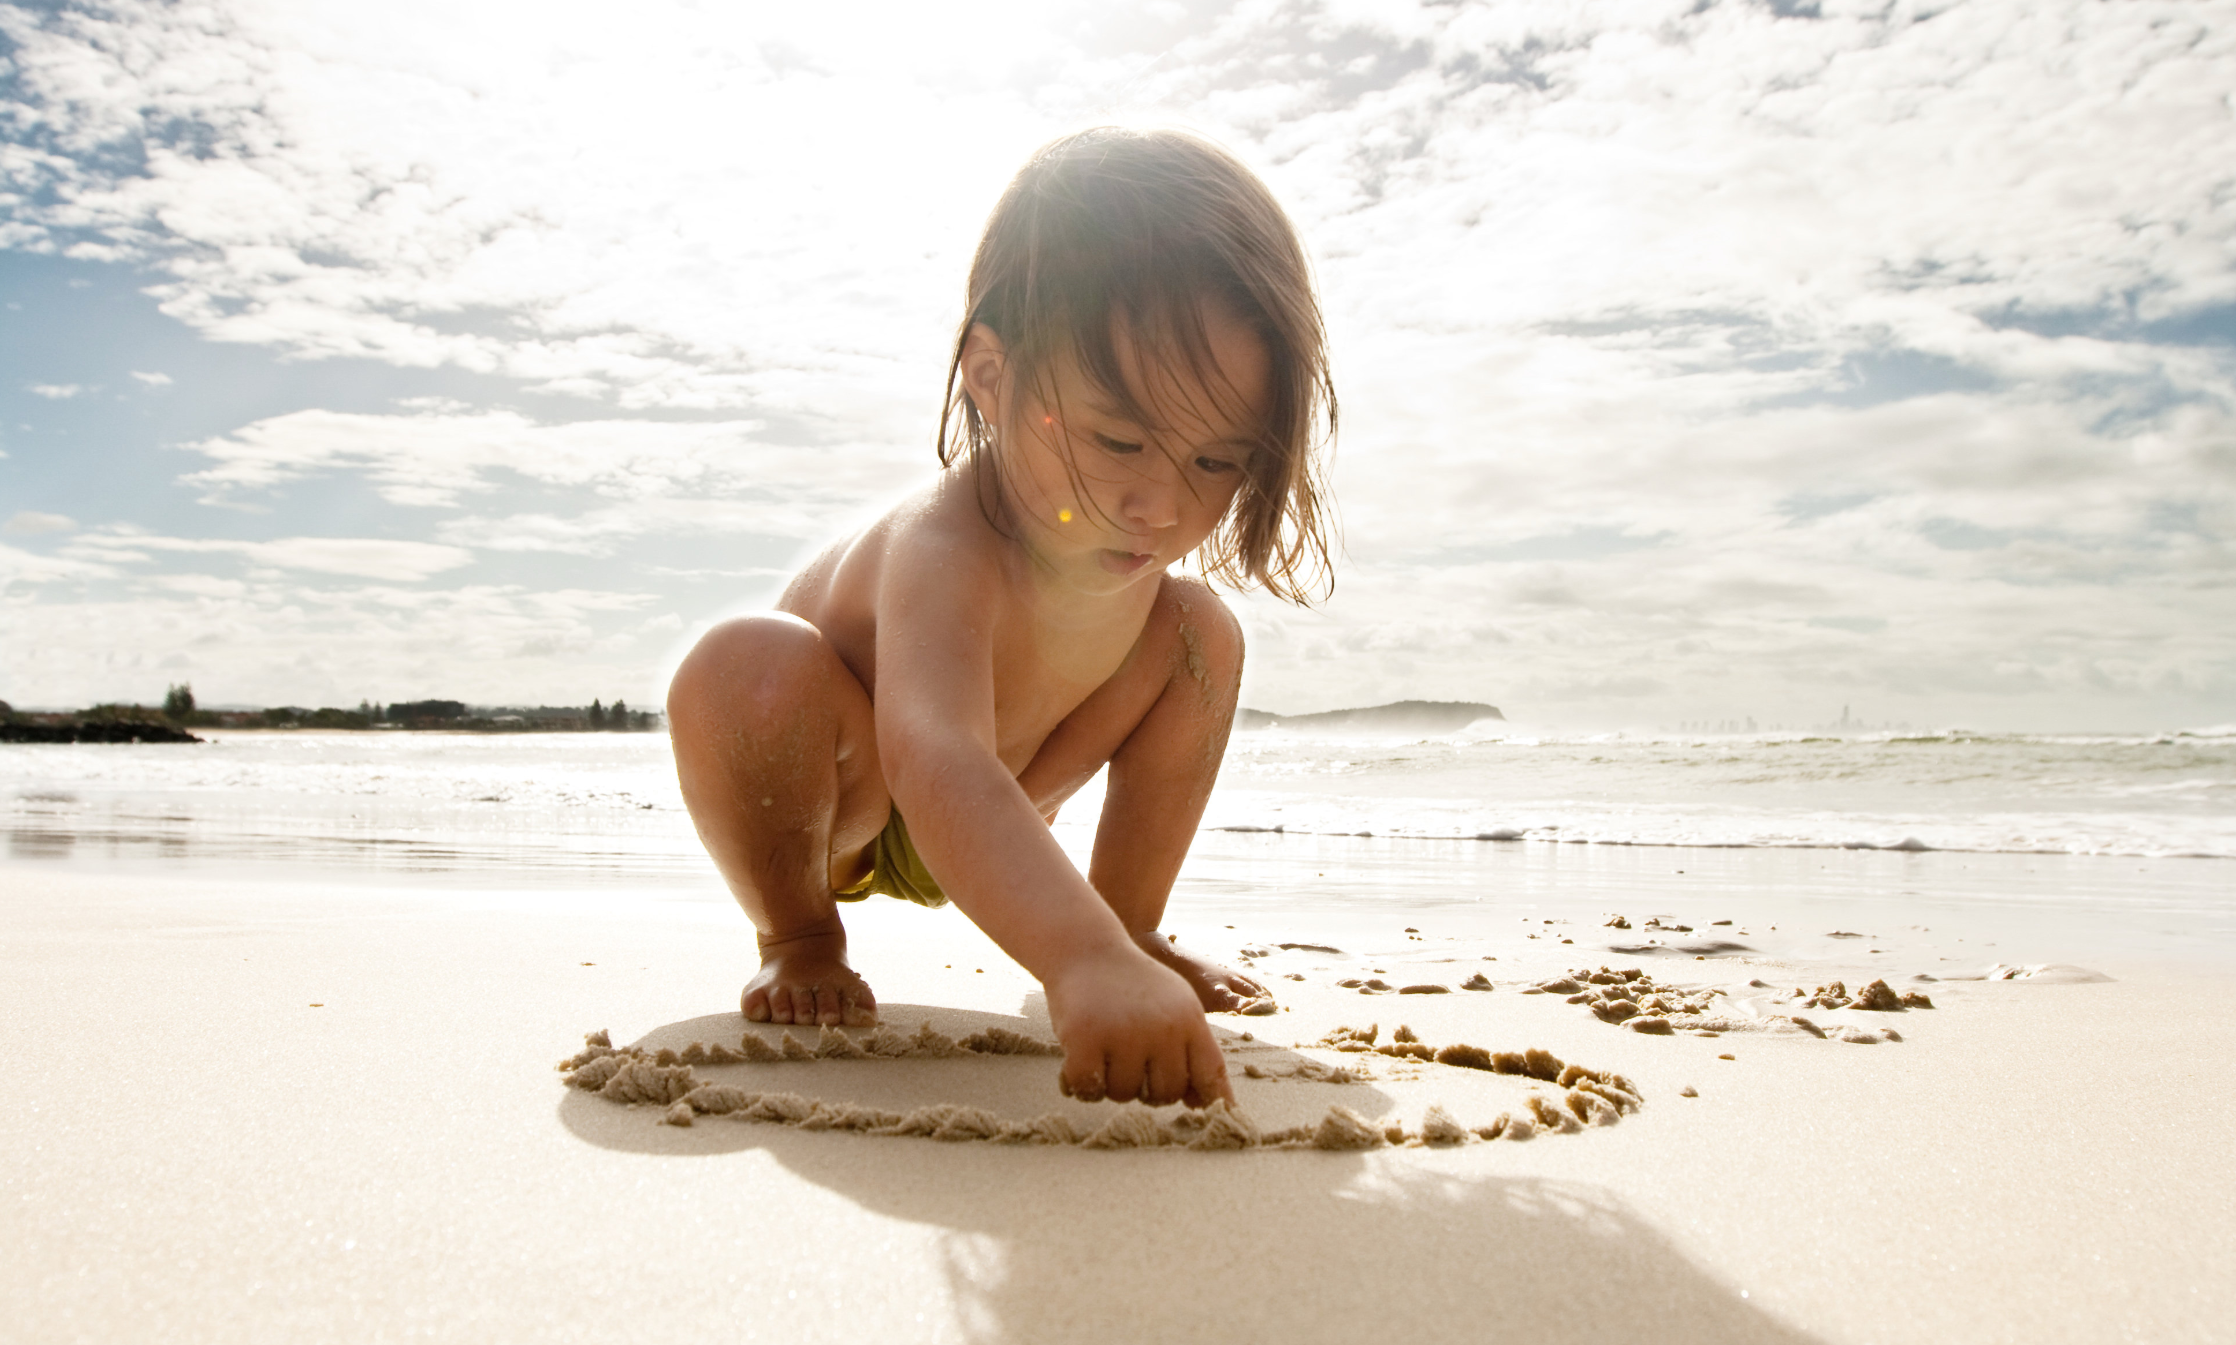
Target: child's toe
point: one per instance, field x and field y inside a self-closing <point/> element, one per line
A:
<point x="803" y="1005"/>
<point x="858" y="1007"/>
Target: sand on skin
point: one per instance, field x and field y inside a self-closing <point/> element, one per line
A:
<point x="195" y="1153"/>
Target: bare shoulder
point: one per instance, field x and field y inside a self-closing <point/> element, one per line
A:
<point x="1208" y="643"/>
<point x="1189" y="601"/>
<point x="937" y="547"/>
<point x="849" y="579"/>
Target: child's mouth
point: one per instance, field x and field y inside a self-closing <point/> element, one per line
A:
<point x="1125" y="562"/>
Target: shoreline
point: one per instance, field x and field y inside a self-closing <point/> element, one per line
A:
<point x="2131" y="800"/>
<point x="2179" y="911"/>
<point x="1509" y="836"/>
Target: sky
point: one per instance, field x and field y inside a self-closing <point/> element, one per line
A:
<point x="1698" y="360"/>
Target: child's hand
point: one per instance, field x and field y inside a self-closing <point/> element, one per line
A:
<point x="1133" y="1029"/>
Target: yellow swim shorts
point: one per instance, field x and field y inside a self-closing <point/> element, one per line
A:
<point x="896" y="870"/>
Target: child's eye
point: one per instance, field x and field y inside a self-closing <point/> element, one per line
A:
<point x="1216" y="466"/>
<point x="1117" y="445"/>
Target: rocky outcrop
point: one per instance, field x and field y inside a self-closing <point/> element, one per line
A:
<point x="107" y="732"/>
<point x="1397" y="717"/>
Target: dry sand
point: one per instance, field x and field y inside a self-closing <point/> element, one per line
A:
<point x="248" y="1112"/>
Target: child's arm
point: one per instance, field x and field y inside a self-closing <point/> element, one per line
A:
<point x="1130" y="1026"/>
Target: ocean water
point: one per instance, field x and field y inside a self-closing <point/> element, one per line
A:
<point x="2081" y="842"/>
<point x="590" y="802"/>
<point x="2162" y="795"/>
<point x="594" y="806"/>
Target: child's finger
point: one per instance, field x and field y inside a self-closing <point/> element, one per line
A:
<point x="1207" y="1070"/>
<point x="1083" y="1077"/>
<point x="1128" y="1077"/>
<point x="1168" y="1080"/>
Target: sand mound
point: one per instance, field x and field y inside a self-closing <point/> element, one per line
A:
<point x="1439" y="1130"/>
<point x="1631" y="999"/>
<point x="1305" y="1071"/>
<point x="2055" y="973"/>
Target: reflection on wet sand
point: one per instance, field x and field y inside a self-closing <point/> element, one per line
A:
<point x="219" y="848"/>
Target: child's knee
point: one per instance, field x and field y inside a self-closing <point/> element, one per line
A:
<point x="758" y="668"/>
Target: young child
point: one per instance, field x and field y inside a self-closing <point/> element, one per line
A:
<point x="1140" y="376"/>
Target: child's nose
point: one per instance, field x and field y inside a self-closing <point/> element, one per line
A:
<point x="1153" y="502"/>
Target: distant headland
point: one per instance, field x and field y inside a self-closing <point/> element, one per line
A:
<point x="175" y="719"/>
<point x="1396" y="717"/>
<point x="120" y="723"/>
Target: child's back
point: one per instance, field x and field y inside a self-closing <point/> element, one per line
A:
<point x="1140" y="377"/>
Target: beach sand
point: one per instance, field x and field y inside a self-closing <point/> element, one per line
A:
<point x="258" y="1110"/>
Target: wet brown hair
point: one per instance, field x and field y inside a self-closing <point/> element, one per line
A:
<point x="1115" y="231"/>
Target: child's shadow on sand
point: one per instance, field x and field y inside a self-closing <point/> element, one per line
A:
<point x="1312" y="1245"/>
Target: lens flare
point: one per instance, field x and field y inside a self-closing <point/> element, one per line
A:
<point x="1063" y="516"/>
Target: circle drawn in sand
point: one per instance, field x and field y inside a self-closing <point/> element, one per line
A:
<point x="668" y="1078"/>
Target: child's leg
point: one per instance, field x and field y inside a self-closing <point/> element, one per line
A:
<point x="1161" y="775"/>
<point x="776" y="750"/>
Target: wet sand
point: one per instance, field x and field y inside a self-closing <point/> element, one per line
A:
<point x="259" y="1110"/>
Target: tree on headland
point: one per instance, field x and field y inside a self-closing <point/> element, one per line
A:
<point x="325" y="717"/>
<point x="618" y="716"/>
<point x="597" y="714"/>
<point x="178" y="700"/>
<point x="407" y="712"/>
<point x="116" y="712"/>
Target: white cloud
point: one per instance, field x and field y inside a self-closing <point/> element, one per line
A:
<point x="31" y="523"/>
<point x="436" y="460"/>
<point x="361" y="557"/>
<point x="678" y="216"/>
<point x="655" y="476"/>
<point x="269" y="642"/>
<point x="604" y="531"/>
<point x="1865" y="177"/>
<point x="56" y="392"/>
<point x="153" y="380"/>
<point x="21" y="570"/>
<point x="1622" y="292"/>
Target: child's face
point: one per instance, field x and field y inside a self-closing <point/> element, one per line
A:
<point x="1107" y="501"/>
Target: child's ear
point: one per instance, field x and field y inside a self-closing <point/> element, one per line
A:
<point x="985" y="365"/>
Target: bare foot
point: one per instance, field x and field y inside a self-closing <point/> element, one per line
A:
<point x="804" y="979"/>
<point x="1221" y="989"/>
